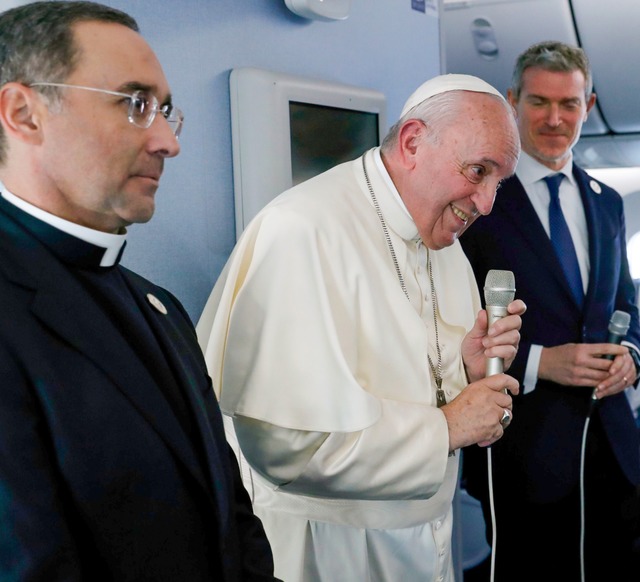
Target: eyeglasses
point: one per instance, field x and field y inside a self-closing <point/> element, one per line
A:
<point x="143" y="107"/>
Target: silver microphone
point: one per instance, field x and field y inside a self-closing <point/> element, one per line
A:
<point x="618" y="327"/>
<point x="499" y="291"/>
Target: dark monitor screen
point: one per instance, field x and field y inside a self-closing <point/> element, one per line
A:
<point x="322" y="137"/>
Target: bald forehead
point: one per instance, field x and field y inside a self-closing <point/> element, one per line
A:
<point x="113" y="55"/>
<point x="492" y="119"/>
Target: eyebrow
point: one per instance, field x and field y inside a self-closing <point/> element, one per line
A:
<point x="489" y="162"/>
<point x="541" y="98"/>
<point x="495" y="165"/>
<point x="133" y="86"/>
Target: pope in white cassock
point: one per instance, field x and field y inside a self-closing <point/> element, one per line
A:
<point x="347" y="344"/>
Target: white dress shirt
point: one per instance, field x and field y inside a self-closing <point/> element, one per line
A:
<point x="531" y="174"/>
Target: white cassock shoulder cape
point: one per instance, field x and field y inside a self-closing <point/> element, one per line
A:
<point x="308" y="329"/>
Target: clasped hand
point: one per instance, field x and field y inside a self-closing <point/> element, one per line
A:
<point x="501" y="340"/>
<point x="475" y="415"/>
<point x="606" y="367"/>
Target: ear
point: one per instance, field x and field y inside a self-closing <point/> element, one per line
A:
<point x="410" y="138"/>
<point x="511" y="98"/>
<point x="590" y="103"/>
<point x="21" y="111"/>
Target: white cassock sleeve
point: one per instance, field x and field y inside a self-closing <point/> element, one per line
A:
<point x="322" y="362"/>
<point x="385" y="461"/>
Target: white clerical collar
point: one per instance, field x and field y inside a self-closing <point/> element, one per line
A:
<point x="391" y="204"/>
<point x="530" y="170"/>
<point x="111" y="243"/>
<point x="388" y="181"/>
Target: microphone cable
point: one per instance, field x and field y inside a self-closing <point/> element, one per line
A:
<point x="499" y="291"/>
<point x="618" y="327"/>
<point x="492" y="509"/>
<point x="583" y="450"/>
<point x="493" y="514"/>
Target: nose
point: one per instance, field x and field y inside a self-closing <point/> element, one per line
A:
<point x="553" y="116"/>
<point x="484" y="198"/>
<point x="162" y="140"/>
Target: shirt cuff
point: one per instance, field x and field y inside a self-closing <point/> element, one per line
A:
<point x="531" y="371"/>
<point x="635" y="355"/>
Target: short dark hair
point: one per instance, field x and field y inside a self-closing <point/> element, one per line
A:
<point x="37" y="42"/>
<point x="552" y="55"/>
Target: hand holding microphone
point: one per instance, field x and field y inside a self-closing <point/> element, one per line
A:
<point x="618" y="327"/>
<point x="486" y="355"/>
<point x="471" y="416"/>
<point x="499" y="291"/>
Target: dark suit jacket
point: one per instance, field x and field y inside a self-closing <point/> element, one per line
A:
<point x="542" y="445"/>
<point x="98" y="479"/>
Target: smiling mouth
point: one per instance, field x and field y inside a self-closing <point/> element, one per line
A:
<point x="461" y="215"/>
<point x="552" y="134"/>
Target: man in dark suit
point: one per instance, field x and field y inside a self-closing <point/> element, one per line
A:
<point x="113" y="459"/>
<point x="536" y="467"/>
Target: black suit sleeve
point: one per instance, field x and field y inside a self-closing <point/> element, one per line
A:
<point x="254" y="556"/>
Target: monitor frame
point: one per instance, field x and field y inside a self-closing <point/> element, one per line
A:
<point x="261" y="133"/>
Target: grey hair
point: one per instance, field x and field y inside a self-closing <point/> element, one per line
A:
<point x="437" y="112"/>
<point x="552" y="56"/>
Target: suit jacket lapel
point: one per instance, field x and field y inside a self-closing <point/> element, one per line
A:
<point x="71" y="313"/>
<point x="590" y="202"/>
<point x="189" y="370"/>
<point x="516" y="202"/>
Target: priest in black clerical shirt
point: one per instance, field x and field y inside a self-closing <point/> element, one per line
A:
<point x="113" y="459"/>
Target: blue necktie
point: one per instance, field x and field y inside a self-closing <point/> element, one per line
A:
<point x="561" y="239"/>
